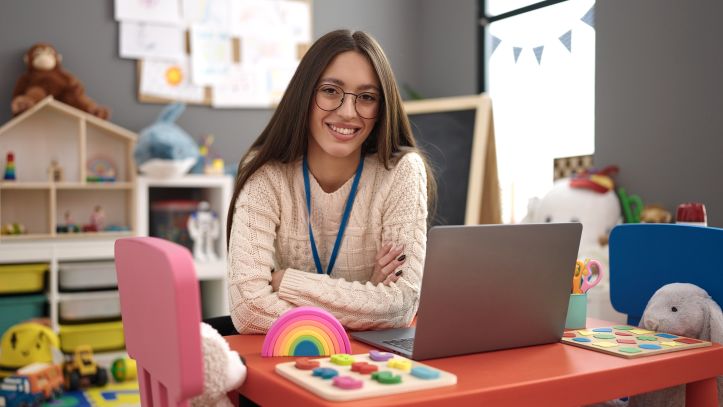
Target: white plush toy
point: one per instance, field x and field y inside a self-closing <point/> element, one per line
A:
<point x="223" y="370"/>
<point x="590" y="199"/>
<point x="687" y="310"/>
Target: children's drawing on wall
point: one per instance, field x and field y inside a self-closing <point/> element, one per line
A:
<point x="204" y="228"/>
<point x="239" y="53"/>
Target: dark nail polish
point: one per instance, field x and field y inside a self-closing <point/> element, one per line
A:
<point x="402" y="257"/>
<point x="398" y="273"/>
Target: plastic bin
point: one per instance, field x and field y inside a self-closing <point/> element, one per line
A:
<point x="87" y="276"/>
<point x="101" y="306"/>
<point x="22" y="278"/>
<point x="19" y="308"/>
<point x="101" y="336"/>
<point x="169" y="220"/>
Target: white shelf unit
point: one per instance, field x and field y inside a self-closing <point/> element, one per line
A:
<point x="217" y="191"/>
<point x="97" y="170"/>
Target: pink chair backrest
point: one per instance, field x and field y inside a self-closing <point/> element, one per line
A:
<point x="161" y="311"/>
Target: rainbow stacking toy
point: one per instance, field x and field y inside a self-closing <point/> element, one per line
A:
<point x="306" y="331"/>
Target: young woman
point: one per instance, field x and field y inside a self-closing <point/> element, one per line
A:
<point x="330" y="203"/>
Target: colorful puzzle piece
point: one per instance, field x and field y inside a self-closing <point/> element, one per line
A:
<point x="604" y="336"/>
<point x="424" y="373"/>
<point x="605" y="344"/>
<point x="342" y="359"/>
<point x="401" y="364"/>
<point x="378" y="356"/>
<point x="387" y="377"/>
<point x="364" y="367"/>
<point x="347" y="383"/>
<point x="306" y="364"/>
<point x="324" y="372"/>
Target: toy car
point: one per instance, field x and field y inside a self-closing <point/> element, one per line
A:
<point x="80" y="370"/>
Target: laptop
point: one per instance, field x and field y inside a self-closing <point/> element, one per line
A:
<point x="488" y="287"/>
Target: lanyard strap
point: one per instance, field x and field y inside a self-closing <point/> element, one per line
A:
<point x="344" y="218"/>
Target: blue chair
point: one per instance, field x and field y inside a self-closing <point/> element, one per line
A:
<point x="646" y="256"/>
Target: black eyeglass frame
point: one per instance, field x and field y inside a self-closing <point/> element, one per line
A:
<point x="343" y="98"/>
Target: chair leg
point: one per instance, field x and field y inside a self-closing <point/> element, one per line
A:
<point x="146" y="389"/>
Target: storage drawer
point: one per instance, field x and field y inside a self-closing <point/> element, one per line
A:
<point x="19" y="308"/>
<point x="22" y="278"/>
<point x="101" y="336"/>
<point x="77" y="276"/>
<point x="95" y="306"/>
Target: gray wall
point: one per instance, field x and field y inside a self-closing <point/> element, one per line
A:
<point x="659" y="99"/>
<point x="415" y="34"/>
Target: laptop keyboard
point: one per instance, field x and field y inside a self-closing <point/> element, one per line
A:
<point x="405" y="343"/>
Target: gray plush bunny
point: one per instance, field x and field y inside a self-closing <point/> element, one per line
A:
<point x="687" y="310"/>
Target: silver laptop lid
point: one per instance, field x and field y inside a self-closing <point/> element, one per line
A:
<point x="493" y="287"/>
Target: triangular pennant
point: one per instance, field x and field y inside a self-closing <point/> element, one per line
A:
<point x="516" y="51"/>
<point x="589" y="17"/>
<point x="538" y="53"/>
<point x="495" y="42"/>
<point x="566" y="40"/>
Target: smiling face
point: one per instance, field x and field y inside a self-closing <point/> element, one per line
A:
<point x="340" y="133"/>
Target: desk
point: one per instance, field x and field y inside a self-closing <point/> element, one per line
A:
<point x="536" y="375"/>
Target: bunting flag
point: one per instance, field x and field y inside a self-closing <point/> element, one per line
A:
<point x="538" y="53"/>
<point x="516" y="51"/>
<point x="589" y="17"/>
<point x="495" y="42"/>
<point x="565" y="39"/>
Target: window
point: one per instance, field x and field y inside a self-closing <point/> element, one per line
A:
<point x="540" y="74"/>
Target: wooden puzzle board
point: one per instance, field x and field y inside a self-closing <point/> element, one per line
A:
<point x="370" y="388"/>
<point x="629" y="342"/>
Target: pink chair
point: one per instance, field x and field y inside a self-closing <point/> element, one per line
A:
<point x="161" y="311"/>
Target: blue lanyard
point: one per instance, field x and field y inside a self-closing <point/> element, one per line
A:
<point x="344" y="218"/>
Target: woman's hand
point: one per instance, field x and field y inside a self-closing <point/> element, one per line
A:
<point x="276" y="277"/>
<point x="388" y="259"/>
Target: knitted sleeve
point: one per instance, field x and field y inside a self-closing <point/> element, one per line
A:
<point x="369" y="306"/>
<point x="254" y="307"/>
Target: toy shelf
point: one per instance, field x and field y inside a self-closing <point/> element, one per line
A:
<point x="217" y="191"/>
<point x="66" y="164"/>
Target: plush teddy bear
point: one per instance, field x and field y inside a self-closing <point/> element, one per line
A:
<point x="223" y="370"/>
<point x="45" y="77"/>
<point x="686" y="310"/>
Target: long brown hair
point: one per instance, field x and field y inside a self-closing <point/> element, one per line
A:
<point x="285" y="138"/>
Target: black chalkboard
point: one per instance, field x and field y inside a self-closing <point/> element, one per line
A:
<point x="446" y="138"/>
<point x="449" y="132"/>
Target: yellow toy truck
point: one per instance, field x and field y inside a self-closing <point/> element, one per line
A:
<point x="80" y="369"/>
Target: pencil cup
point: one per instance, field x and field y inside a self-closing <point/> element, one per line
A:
<point x="576" y="311"/>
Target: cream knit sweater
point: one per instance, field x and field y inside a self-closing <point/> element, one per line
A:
<point x="270" y="232"/>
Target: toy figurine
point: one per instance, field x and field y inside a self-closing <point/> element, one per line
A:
<point x="97" y="218"/>
<point x="55" y="171"/>
<point x="10" y="167"/>
<point x="203" y="227"/>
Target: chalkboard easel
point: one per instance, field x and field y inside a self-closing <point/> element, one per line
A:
<point x="457" y="134"/>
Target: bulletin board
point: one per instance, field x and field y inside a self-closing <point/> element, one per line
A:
<point x="457" y="135"/>
<point x="221" y="53"/>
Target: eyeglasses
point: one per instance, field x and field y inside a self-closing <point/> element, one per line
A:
<point x="331" y="97"/>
